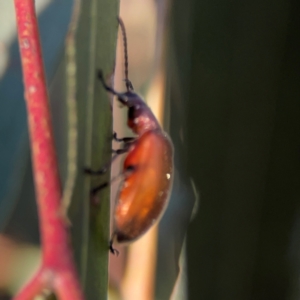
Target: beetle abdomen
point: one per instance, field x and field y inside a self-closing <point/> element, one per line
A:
<point x="144" y="194"/>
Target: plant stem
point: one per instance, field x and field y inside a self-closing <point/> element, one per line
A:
<point x="57" y="272"/>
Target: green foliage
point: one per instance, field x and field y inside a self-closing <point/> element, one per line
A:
<point x="95" y="44"/>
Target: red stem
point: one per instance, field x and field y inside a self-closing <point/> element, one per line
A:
<point x="33" y="288"/>
<point x="57" y="272"/>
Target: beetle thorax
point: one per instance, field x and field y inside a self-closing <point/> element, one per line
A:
<point x="140" y="116"/>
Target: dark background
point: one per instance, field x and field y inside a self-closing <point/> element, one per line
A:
<point x="240" y="80"/>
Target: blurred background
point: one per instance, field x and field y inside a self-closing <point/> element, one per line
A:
<point x="223" y="79"/>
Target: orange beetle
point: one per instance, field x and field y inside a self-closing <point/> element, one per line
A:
<point x="148" y="167"/>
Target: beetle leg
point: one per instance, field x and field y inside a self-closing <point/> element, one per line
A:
<point x="113" y="250"/>
<point x="120" y="96"/>
<point x="95" y="172"/>
<point x="96" y="189"/>
<point x="101" y="171"/>
<point x="124" y="140"/>
<point x="108" y="88"/>
<point x="101" y="186"/>
<point x="127" y="143"/>
<point x="120" y="151"/>
<point x="104" y="169"/>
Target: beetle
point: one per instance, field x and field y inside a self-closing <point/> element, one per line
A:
<point x="147" y="169"/>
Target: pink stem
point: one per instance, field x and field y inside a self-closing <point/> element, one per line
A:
<point x="58" y="266"/>
<point x="33" y="288"/>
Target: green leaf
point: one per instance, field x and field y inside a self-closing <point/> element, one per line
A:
<point x="94" y="48"/>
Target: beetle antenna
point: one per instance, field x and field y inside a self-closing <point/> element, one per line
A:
<point x="128" y="83"/>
